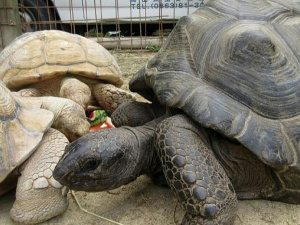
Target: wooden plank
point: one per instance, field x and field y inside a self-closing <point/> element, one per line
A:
<point x="10" y="23"/>
<point x="129" y="43"/>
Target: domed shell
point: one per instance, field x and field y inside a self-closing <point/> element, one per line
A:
<point x="234" y="66"/>
<point x="22" y="126"/>
<point x="42" y="55"/>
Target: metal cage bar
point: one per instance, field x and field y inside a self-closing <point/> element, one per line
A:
<point x="117" y="24"/>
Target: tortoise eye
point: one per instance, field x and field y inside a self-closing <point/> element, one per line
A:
<point x="90" y="164"/>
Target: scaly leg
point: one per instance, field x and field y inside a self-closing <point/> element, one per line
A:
<point x="193" y="172"/>
<point x="110" y="97"/>
<point x="39" y="197"/>
<point x="135" y="113"/>
<point x="75" y="90"/>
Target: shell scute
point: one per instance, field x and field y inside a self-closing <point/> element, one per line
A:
<point x="70" y="52"/>
<point x="15" y="79"/>
<point x="28" y="56"/>
<point x="43" y="55"/>
<point x="261" y="63"/>
<point x="96" y="54"/>
<point x="45" y="72"/>
<point x="237" y="72"/>
<point x="21" y="129"/>
<point x="83" y="69"/>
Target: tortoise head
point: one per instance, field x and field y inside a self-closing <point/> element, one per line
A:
<point x="100" y="160"/>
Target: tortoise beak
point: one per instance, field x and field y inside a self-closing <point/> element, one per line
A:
<point x="59" y="174"/>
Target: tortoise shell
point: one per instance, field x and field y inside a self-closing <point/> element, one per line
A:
<point x="42" y="55"/>
<point x="233" y="66"/>
<point x="22" y="126"/>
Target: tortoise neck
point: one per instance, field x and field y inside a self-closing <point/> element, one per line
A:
<point x="147" y="158"/>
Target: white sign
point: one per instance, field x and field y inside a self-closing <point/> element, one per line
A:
<point x="80" y="11"/>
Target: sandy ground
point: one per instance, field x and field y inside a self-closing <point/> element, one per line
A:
<point x="141" y="202"/>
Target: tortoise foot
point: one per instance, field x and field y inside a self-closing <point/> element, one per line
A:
<point x="39" y="207"/>
<point x="193" y="172"/>
<point x="39" y="197"/>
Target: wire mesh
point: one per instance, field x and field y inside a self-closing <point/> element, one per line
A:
<point x="118" y="24"/>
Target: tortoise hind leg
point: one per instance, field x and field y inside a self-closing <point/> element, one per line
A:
<point x="193" y="173"/>
<point x="39" y="197"/>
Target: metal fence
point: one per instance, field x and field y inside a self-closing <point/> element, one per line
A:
<point x="118" y="24"/>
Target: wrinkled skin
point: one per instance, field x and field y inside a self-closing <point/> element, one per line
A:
<point x="107" y="159"/>
<point x="69" y="117"/>
<point x="30" y="150"/>
<point x="203" y="168"/>
<point x="232" y="69"/>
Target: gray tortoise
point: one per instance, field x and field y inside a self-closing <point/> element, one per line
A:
<point x="30" y="149"/>
<point x="228" y="76"/>
<point x="57" y="63"/>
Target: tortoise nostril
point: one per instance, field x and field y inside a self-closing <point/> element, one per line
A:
<point x="72" y="179"/>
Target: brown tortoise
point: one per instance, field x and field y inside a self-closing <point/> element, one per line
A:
<point x="231" y="71"/>
<point x="57" y="63"/>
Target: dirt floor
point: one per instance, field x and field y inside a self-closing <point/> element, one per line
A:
<point x="141" y="202"/>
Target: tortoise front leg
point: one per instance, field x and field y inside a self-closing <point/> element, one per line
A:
<point x="135" y="113"/>
<point x="75" y="90"/>
<point x="109" y="97"/>
<point x="39" y="196"/>
<point x="193" y="172"/>
<point x="69" y="117"/>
